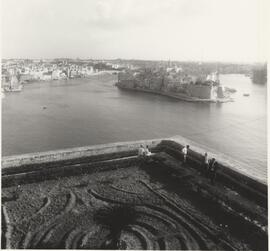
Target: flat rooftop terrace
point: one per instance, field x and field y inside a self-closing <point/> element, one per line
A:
<point x="111" y="199"/>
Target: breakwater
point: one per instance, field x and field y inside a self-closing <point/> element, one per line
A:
<point x="47" y="195"/>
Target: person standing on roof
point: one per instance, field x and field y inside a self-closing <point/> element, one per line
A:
<point x="141" y="151"/>
<point x="147" y="151"/>
<point x="213" y="170"/>
<point x="205" y="164"/>
<point x="185" y="152"/>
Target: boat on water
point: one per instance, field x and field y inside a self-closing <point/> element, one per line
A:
<point x="14" y="89"/>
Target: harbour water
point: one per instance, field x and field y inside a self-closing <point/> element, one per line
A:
<point x="62" y="114"/>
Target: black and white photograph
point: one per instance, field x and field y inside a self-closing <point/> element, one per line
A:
<point x="134" y="124"/>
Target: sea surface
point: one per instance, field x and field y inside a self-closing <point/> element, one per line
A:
<point x="62" y="114"/>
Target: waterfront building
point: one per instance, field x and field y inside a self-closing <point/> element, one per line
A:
<point x="56" y="74"/>
<point x="46" y="76"/>
<point x="26" y="77"/>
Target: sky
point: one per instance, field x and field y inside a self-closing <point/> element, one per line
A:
<point x="200" y="30"/>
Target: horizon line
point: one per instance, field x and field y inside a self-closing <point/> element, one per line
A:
<point x="138" y="59"/>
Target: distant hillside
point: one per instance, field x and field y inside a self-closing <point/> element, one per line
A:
<point x="259" y="74"/>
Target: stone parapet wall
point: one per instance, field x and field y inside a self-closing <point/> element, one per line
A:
<point x="232" y="173"/>
<point x="245" y="185"/>
<point x="45" y="173"/>
<point x="75" y="153"/>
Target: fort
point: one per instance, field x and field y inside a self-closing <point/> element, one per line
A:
<point x="75" y="198"/>
<point x="179" y="85"/>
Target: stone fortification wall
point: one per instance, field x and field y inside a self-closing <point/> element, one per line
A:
<point x="75" y="153"/>
<point x="123" y="149"/>
<point x="156" y="84"/>
<point x="166" y="85"/>
<point x="129" y="83"/>
<point x="238" y="181"/>
<point x="200" y="91"/>
<point x="170" y="199"/>
<point x="35" y="167"/>
<point x="220" y="92"/>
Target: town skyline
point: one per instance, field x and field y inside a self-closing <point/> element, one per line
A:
<point x="172" y="30"/>
<point x="135" y="59"/>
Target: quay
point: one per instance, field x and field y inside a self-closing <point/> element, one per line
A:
<point x="57" y="199"/>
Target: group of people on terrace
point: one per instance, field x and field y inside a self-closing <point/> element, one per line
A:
<point x="144" y="151"/>
<point x="209" y="165"/>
